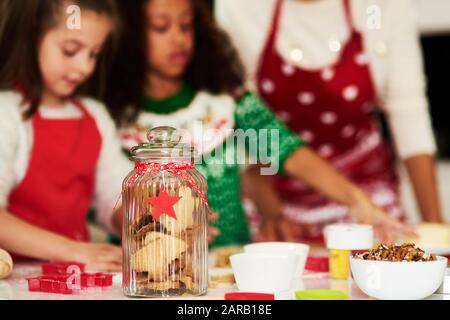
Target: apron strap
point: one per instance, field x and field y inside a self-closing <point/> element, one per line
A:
<point x="20" y="88"/>
<point x="275" y="22"/>
<point x="348" y="14"/>
<point x="80" y="105"/>
<point x="277" y="17"/>
<point x="77" y="102"/>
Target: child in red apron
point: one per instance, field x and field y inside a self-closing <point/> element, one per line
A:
<point x="53" y="144"/>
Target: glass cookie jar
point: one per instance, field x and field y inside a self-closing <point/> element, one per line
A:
<point x="165" y="246"/>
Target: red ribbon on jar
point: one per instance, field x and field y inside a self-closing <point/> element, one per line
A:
<point x="176" y="168"/>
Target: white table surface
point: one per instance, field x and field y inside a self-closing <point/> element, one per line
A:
<point x="16" y="288"/>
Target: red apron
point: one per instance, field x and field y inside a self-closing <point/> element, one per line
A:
<point x="58" y="188"/>
<point x="333" y="110"/>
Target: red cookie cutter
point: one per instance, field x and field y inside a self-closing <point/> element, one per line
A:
<point x="54" y="267"/>
<point x="69" y="283"/>
<point x="317" y="264"/>
<point x="68" y="278"/>
<point x="49" y="284"/>
<point x="248" y="296"/>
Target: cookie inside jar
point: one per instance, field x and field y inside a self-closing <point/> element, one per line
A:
<point x="167" y="258"/>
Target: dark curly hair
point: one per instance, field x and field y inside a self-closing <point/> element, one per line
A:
<point x="22" y="25"/>
<point x="215" y="66"/>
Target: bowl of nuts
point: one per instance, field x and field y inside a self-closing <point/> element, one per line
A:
<point x="398" y="272"/>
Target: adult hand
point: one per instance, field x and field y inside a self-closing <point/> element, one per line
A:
<point x="279" y="229"/>
<point x="387" y="229"/>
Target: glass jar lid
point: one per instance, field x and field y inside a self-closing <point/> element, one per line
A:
<point x="165" y="145"/>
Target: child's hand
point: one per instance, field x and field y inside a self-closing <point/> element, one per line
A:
<point x="213" y="233"/>
<point x="386" y="228"/>
<point x="279" y="229"/>
<point x="96" y="256"/>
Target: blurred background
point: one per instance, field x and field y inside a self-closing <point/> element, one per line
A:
<point x="434" y="24"/>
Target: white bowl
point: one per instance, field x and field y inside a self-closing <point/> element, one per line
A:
<point x="264" y="272"/>
<point x="300" y="249"/>
<point x="398" y="280"/>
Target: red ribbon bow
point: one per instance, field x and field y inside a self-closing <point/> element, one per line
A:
<point x="176" y="168"/>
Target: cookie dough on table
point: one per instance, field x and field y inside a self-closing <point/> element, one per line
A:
<point x="431" y="235"/>
<point x="6" y="264"/>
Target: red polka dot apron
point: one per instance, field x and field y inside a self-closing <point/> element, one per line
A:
<point x="57" y="189"/>
<point x="333" y="110"/>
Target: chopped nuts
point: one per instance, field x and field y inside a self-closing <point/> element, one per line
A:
<point x="395" y="253"/>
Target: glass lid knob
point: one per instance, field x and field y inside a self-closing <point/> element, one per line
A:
<point x="164" y="136"/>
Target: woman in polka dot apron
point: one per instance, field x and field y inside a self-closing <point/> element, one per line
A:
<point x="331" y="108"/>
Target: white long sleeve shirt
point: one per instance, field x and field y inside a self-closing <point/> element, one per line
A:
<point x="16" y="142"/>
<point x="393" y="51"/>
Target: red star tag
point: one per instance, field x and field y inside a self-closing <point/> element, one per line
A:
<point x="163" y="204"/>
